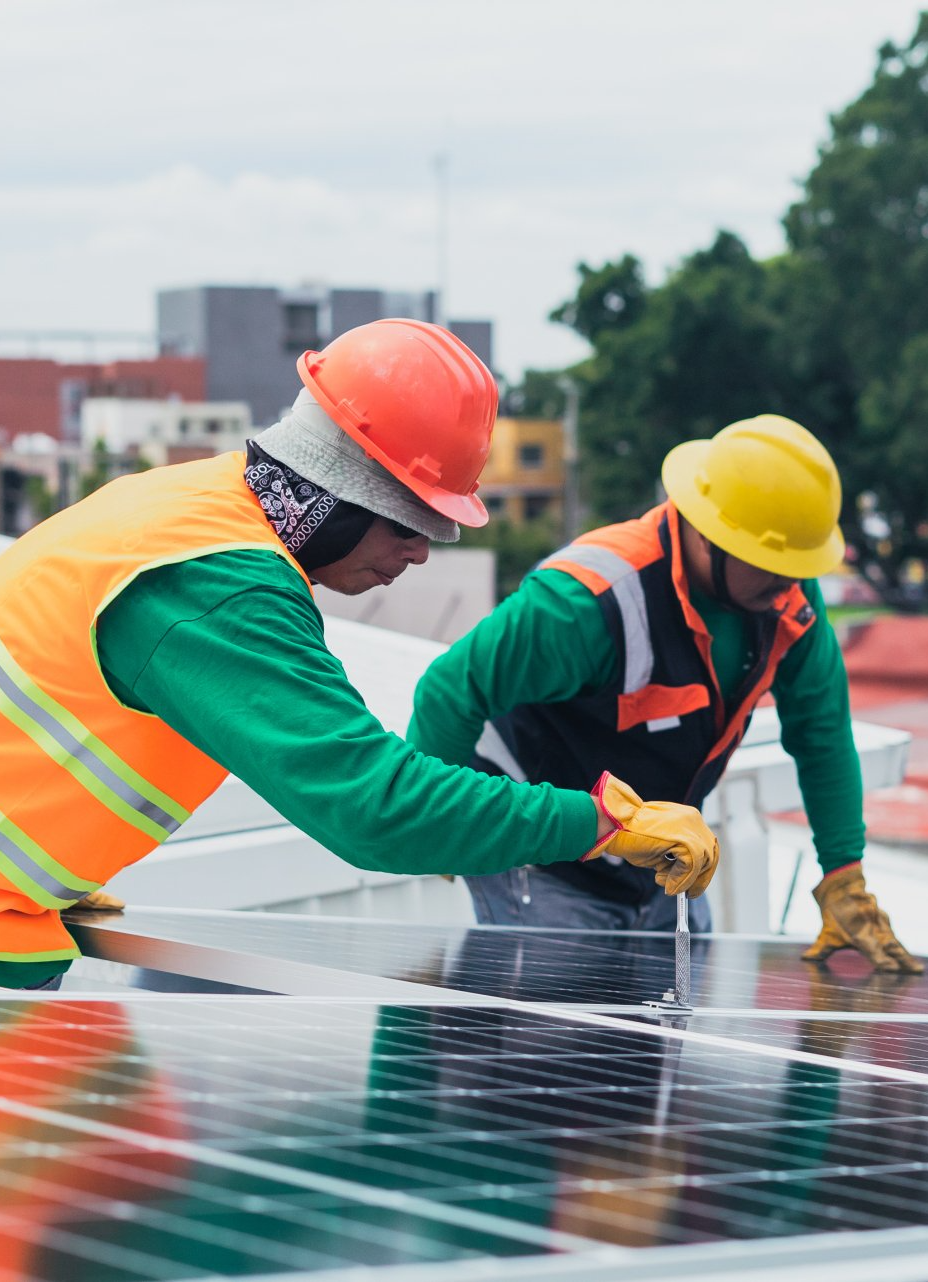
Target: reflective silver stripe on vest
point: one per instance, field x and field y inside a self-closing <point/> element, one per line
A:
<point x="27" y="865"/>
<point x="639" y="653"/>
<point x="491" y="747"/>
<point x="85" y="755"/>
<point x="629" y="596"/>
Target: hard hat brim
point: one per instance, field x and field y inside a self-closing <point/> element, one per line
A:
<point x="678" y="474"/>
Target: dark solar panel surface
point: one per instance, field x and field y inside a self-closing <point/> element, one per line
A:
<point x="181" y="1137"/>
<point x="884" y="1042"/>
<point x="185" y="1136"/>
<point x="585" y="967"/>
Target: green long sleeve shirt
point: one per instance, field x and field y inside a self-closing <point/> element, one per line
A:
<point x="230" y="651"/>
<point x="549" y="642"/>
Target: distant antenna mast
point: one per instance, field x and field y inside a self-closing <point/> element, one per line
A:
<point x="440" y="165"/>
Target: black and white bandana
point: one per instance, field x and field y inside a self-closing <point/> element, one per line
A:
<point x="314" y="526"/>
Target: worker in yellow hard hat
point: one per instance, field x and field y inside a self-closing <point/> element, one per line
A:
<point x="646" y="646"/>
<point x="163" y="632"/>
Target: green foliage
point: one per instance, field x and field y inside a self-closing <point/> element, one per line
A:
<point x="833" y="333"/>
<point x="609" y="298"/>
<point x="38" y="498"/>
<point x="863" y="218"/>
<point x="101" y="470"/>
<point x="678" y="362"/>
<point x="106" y="466"/>
<point x="517" y="548"/>
<point x="539" y="395"/>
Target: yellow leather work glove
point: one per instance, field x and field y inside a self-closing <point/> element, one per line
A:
<point x="851" y="918"/>
<point x="99" y="900"/>
<point x="672" y="839"/>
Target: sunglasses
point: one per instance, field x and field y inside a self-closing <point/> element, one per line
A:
<point x="404" y="531"/>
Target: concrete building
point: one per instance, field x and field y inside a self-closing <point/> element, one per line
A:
<point x="525" y="474"/>
<point x="164" y="431"/>
<point x="44" y="395"/>
<point x="250" y="336"/>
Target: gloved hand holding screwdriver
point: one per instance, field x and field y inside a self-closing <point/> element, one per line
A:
<point x="675" y="841"/>
<point x="672" y="839"/>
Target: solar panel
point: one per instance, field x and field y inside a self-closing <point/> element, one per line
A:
<point x="885" y="1040"/>
<point x="453" y="1103"/>
<point x="182" y="1137"/>
<point x="600" y="969"/>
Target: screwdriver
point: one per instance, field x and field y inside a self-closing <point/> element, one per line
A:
<point x="682" y="951"/>
<point x="677" y="999"/>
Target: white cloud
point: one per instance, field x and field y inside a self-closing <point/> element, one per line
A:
<point x="193" y="141"/>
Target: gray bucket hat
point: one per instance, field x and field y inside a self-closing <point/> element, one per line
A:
<point x="308" y="441"/>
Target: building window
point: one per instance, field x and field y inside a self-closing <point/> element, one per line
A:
<point x="536" y="505"/>
<point x="301" y="327"/>
<point x="531" y="456"/>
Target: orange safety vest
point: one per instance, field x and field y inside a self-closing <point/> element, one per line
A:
<point x="88" y="785"/>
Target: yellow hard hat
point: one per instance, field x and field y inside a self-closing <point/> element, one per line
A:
<point x="765" y="491"/>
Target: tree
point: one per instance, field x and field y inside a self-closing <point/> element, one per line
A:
<point x="674" y="362"/>
<point x="863" y="220"/>
<point x="858" y="306"/>
<point x="832" y="333"/>
<point x="539" y="395"/>
<point x="518" y="547"/>
<point x="105" y="466"/>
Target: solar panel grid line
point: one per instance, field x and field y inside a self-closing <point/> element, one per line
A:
<point x="363" y="1194"/>
<point x="842" y="1257"/>
<point x="130" y="1262"/>
<point x="892" y="1042"/>
<point x="278" y="1207"/>
<point x="599" y="1264"/>
<point x="514" y="1169"/>
<point x="261" y="1249"/>
<point x="735" y="1044"/>
<point x="458" y="1090"/>
<point x="569" y="1014"/>
<point x="753" y="1013"/>
<point x="727" y="1157"/>
<point x="221" y="1238"/>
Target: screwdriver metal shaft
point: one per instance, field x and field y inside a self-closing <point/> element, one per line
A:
<point x="682" y="942"/>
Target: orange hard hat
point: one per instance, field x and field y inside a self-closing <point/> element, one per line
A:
<point x="418" y="401"/>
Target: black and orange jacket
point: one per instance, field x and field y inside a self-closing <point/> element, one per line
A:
<point x="663" y="724"/>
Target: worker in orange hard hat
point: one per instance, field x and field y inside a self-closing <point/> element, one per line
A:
<point x="163" y="632"/>
<point x="646" y="646"/>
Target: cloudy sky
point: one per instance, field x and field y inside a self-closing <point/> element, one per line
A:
<point x="156" y="143"/>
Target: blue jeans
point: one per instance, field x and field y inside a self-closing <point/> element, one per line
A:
<point x="532" y="897"/>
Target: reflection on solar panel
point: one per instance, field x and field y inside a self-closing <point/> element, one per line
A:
<point x="601" y="968"/>
<point x="877" y="1040"/>
<point x="147" y="1136"/>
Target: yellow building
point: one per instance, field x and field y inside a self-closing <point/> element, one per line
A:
<point x="524" y="475"/>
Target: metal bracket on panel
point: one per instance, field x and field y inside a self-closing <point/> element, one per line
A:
<point x="669" y="1004"/>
